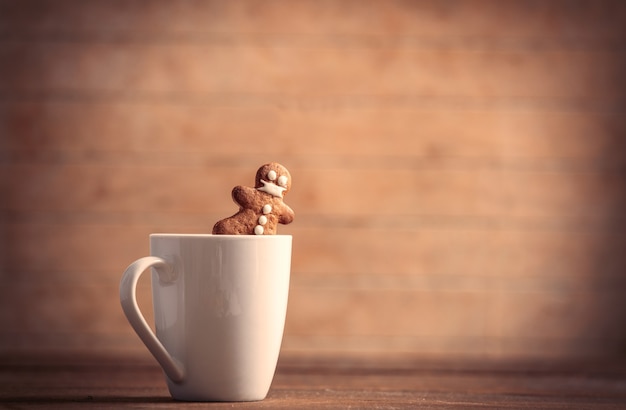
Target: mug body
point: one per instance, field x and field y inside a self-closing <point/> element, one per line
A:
<point x="222" y="313"/>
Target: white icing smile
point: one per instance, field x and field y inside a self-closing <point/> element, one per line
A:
<point x="272" y="189"/>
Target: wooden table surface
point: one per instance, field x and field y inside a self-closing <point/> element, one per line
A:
<point x="105" y="381"/>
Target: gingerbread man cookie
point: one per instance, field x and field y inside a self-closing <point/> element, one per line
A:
<point x="261" y="208"/>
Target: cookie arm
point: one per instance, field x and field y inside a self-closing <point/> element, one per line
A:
<point x="287" y="216"/>
<point x="243" y="196"/>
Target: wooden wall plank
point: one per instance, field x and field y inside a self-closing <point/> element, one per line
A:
<point x="413" y="18"/>
<point x="114" y="128"/>
<point x="57" y="247"/>
<point x="539" y="315"/>
<point x="85" y="308"/>
<point x="404" y="313"/>
<point x="387" y="255"/>
<point x="179" y="70"/>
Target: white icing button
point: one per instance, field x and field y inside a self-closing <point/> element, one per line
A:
<point x="267" y="209"/>
<point x="258" y="230"/>
<point x="262" y="220"/>
<point x="271" y="175"/>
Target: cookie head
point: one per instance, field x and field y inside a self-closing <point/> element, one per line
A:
<point x="273" y="179"/>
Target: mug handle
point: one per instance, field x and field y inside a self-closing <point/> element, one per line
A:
<point x="128" y="286"/>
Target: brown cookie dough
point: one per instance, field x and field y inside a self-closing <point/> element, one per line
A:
<point x="261" y="208"/>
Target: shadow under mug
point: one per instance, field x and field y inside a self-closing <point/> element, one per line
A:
<point x="219" y="303"/>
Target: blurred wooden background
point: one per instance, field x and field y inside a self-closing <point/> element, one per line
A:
<point x="459" y="166"/>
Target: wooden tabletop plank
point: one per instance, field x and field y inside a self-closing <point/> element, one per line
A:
<point x="73" y="381"/>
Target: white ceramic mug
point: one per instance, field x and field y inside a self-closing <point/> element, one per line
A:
<point x="219" y="308"/>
